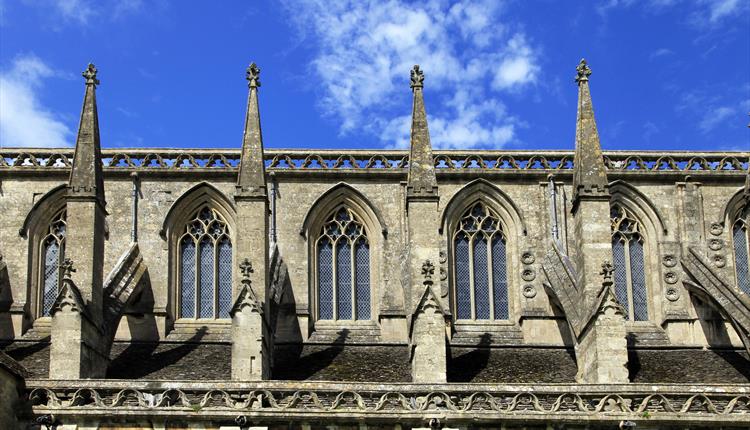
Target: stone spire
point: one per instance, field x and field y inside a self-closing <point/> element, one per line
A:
<point x="251" y="181"/>
<point x="421" y="180"/>
<point x="86" y="179"/>
<point x="589" y="174"/>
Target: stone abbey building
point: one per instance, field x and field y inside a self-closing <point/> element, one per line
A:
<point x="300" y="289"/>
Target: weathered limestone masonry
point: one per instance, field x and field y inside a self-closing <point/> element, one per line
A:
<point x="77" y="330"/>
<point x="422" y="198"/>
<point x="386" y="289"/>
<point x="251" y="334"/>
<point x="601" y="350"/>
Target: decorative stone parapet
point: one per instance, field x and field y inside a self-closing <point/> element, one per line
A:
<point x="408" y="404"/>
<point x="696" y="163"/>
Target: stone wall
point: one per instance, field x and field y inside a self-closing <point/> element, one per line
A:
<point x="656" y="196"/>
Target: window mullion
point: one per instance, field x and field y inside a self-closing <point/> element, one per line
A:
<point x="334" y="277"/>
<point x="197" y="280"/>
<point x="353" y="269"/>
<point x="490" y="279"/>
<point x="216" y="278"/>
<point x="471" y="276"/>
<point x="628" y="279"/>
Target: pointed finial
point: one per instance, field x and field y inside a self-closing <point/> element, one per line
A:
<point x="67" y="268"/>
<point x="607" y="271"/>
<point x="90" y="75"/>
<point x="583" y="71"/>
<point x="428" y="269"/>
<point x="253" y="76"/>
<point x="246" y="267"/>
<point x="417" y="77"/>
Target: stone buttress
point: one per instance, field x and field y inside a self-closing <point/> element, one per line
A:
<point x="601" y="347"/>
<point x="78" y="349"/>
<point x="251" y="335"/>
<point x="427" y="338"/>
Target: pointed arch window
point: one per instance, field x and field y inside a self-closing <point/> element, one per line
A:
<point x="343" y="268"/>
<point x="480" y="266"/>
<point x="205" y="267"/>
<point x="629" y="264"/>
<point x="51" y="255"/>
<point x="741" y="239"/>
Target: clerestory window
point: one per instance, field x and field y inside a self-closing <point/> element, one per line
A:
<point x="205" y="267"/>
<point x="629" y="264"/>
<point x="52" y="253"/>
<point x="480" y="266"/>
<point x="343" y="266"/>
<point x="741" y="239"/>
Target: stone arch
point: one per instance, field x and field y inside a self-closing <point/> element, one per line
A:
<point x="34" y="229"/>
<point x="338" y="196"/>
<point x="197" y="196"/>
<point x="481" y="189"/>
<point x="654" y="231"/>
<point x="734" y="206"/>
<point x="343" y="193"/>
<point x="513" y="225"/>
<point x="179" y="214"/>
<point x="640" y="205"/>
<point x="45" y="207"/>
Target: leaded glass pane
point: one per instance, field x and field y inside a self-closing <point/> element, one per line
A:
<point x="621" y="277"/>
<point x="481" y="278"/>
<point x="344" y="280"/>
<point x="206" y="287"/>
<point x="640" y="301"/>
<point x="225" y="277"/>
<point x="463" y="287"/>
<point x="478" y="239"/>
<point x="351" y="248"/>
<point x="187" y="283"/>
<point x="741" y="257"/>
<point x="362" y="261"/>
<point x="51" y="274"/>
<point x="499" y="278"/>
<point x="325" y="279"/>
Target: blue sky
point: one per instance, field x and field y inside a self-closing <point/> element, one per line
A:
<point x="667" y="74"/>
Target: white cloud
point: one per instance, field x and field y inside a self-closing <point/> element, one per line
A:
<point x="661" y="52"/>
<point x="363" y="51"/>
<point x="23" y="119"/>
<point x="74" y="10"/>
<point x="701" y="12"/>
<point x="719" y="9"/>
<point x="714" y="117"/>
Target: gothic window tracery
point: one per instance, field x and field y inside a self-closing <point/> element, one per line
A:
<point x="629" y="264"/>
<point x="205" y="267"/>
<point x="52" y="254"/>
<point x="480" y="266"/>
<point x="741" y="239"/>
<point x="343" y="265"/>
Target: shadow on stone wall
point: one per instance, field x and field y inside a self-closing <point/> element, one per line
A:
<point x="6" y="300"/>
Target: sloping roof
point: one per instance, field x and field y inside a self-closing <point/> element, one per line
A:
<point x="12" y="366"/>
<point x="689" y="366"/>
<point x="511" y="365"/>
<point x="390" y="363"/>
